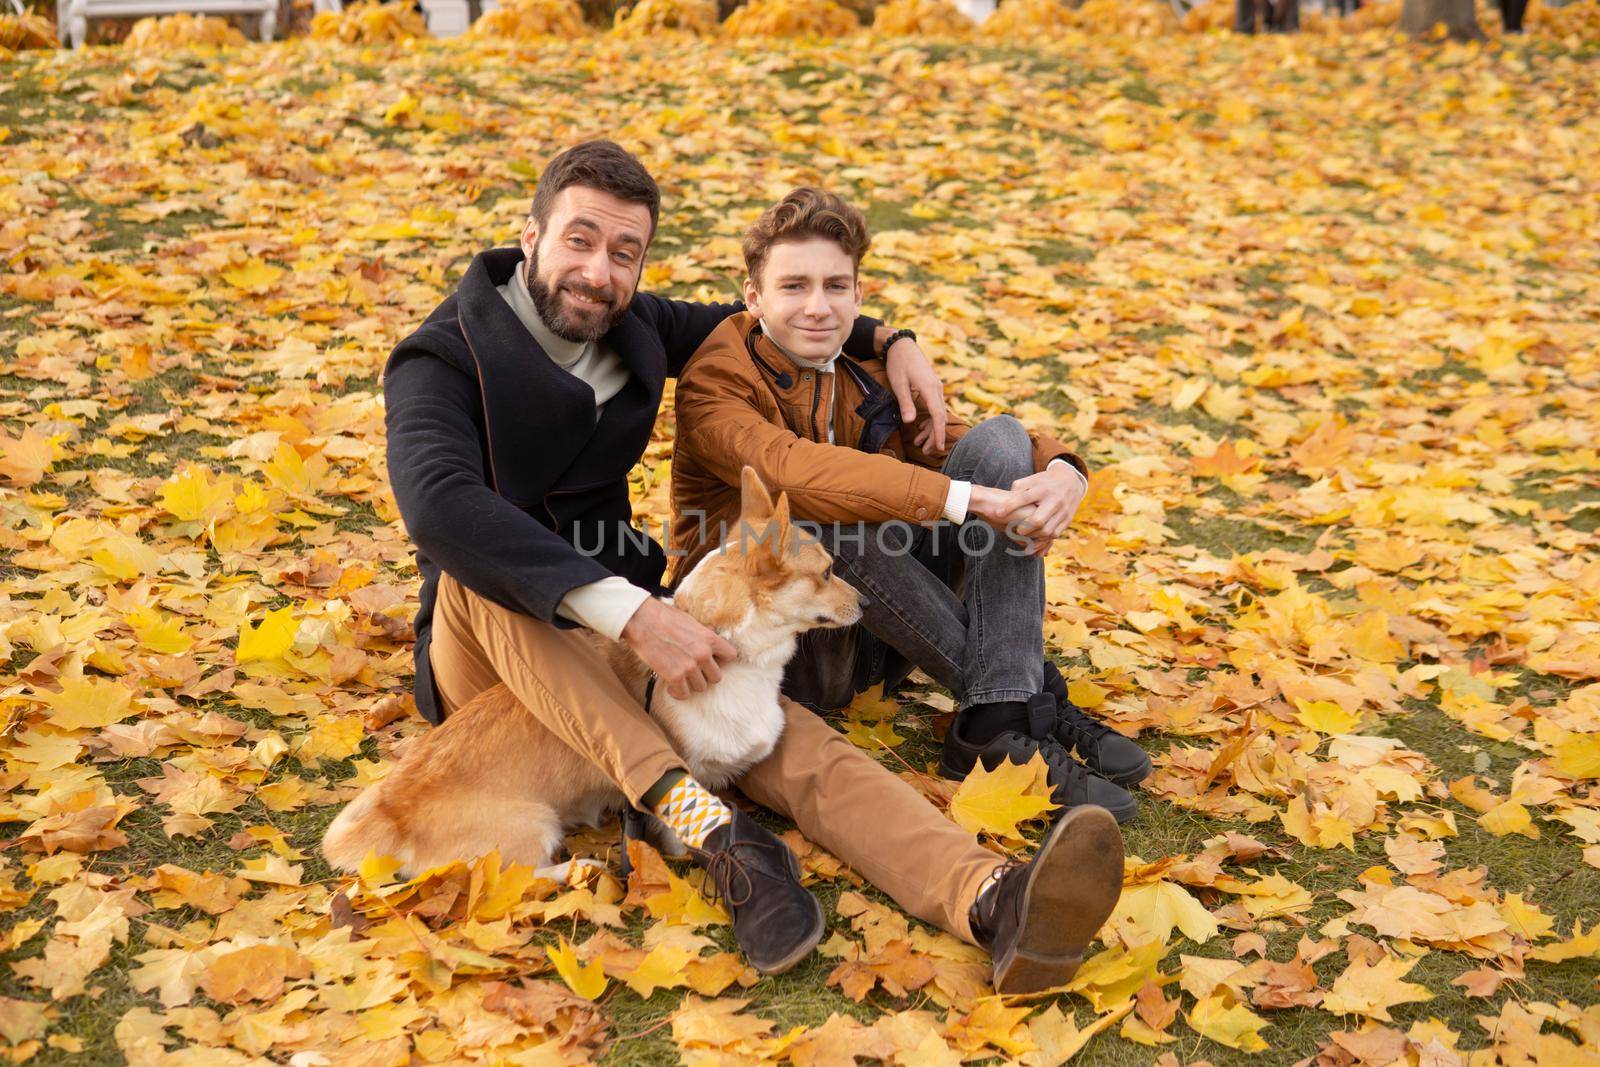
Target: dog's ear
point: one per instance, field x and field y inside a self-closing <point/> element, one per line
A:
<point x="772" y="542"/>
<point x="755" y="503"/>
<point x="782" y="528"/>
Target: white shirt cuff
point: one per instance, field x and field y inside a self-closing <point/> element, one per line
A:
<point x="1071" y="468"/>
<point x="604" y="606"/>
<point x="956" y="501"/>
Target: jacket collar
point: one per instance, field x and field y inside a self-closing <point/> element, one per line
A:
<point x="539" y="418"/>
<point x="878" y="410"/>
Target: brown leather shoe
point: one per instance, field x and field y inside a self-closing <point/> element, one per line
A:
<point x="776" y="920"/>
<point x="1038" y="920"/>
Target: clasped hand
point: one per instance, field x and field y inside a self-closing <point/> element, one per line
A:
<point x="1035" y="510"/>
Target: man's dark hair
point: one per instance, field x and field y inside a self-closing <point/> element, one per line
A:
<point x="602" y="165"/>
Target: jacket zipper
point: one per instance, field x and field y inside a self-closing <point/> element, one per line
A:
<point x="816" y="398"/>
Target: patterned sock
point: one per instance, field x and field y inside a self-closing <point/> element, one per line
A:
<point x="693" y="811"/>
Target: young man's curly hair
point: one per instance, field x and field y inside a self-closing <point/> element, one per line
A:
<point x="805" y="213"/>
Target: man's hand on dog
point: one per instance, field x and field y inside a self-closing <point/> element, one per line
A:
<point x="686" y="656"/>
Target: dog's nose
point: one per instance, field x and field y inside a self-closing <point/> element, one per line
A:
<point x="863" y="600"/>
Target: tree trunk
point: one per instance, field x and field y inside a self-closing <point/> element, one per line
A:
<point x="1417" y="17"/>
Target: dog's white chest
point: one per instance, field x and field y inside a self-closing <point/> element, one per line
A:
<point x="729" y="728"/>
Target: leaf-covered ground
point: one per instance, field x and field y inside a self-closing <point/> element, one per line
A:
<point x="1324" y="314"/>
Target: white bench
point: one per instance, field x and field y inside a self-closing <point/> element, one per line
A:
<point x="72" y="16"/>
<point x="448" y="18"/>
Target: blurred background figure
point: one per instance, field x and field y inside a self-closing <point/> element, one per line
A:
<point x="1277" y="16"/>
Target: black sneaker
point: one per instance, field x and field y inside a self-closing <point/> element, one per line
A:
<point x="1071" y="783"/>
<point x="776" y="921"/>
<point x="1038" y="919"/>
<point x="1101" y="748"/>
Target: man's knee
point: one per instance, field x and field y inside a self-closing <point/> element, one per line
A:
<point x="810" y="737"/>
<point x="1003" y="452"/>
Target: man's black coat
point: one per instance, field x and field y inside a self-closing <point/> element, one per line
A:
<point x="498" y="464"/>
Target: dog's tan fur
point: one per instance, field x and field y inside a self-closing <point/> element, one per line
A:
<point x="492" y="777"/>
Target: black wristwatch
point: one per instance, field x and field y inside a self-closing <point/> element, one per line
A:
<point x="898" y="335"/>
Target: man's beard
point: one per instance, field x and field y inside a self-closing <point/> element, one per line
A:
<point x="555" y="316"/>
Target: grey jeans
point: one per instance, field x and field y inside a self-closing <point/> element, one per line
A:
<point x="966" y="604"/>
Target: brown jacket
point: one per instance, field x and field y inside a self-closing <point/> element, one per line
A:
<point x="741" y="401"/>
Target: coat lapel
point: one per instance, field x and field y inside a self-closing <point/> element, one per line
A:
<point x="540" y="419"/>
<point x="538" y="416"/>
<point x="623" y="432"/>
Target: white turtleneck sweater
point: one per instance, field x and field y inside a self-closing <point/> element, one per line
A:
<point x="604" y="606"/>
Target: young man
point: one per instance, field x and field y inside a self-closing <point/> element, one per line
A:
<point x="920" y="529"/>
<point x="514" y="414"/>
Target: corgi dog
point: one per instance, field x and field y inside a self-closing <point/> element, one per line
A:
<point x="492" y="777"/>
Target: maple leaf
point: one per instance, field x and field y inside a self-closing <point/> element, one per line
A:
<point x="1324" y="448"/>
<point x="545" y="1007"/>
<point x="661" y="967"/>
<point x="698" y="1023"/>
<point x="273" y="870"/>
<point x="1371" y="988"/>
<point x="895" y="966"/>
<point x="586" y="981"/>
<point x="992" y="1024"/>
<point x="873" y="705"/>
<point x="269" y="640"/>
<point x="1114" y="976"/>
<point x="22" y="1021"/>
<point x="256" y="972"/>
<point x="82" y="829"/>
<point x="376" y="870"/>
<point x="997" y="801"/>
<point x="872" y="736"/>
<point x="1227" y="459"/>
<point x="838" y="1042"/>
<point x="1154" y="1014"/>
<point x="193" y="496"/>
<point x="1057" y="1038"/>
<point x="1325" y="717"/>
<point x="1151" y="911"/>
<point x="1224" y="1020"/>
<point x="1484" y="981"/>
<point x="1582" y="943"/>
<point x="1525" y="919"/>
<point x="1578" y="756"/>
<point x="254" y="275"/>
<point x="710" y="975"/>
<point x="683" y="904"/>
<point x="158" y="633"/>
<point x="25" y="460"/>
<point x="211" y="892"/>
<point x="87" y="703"/>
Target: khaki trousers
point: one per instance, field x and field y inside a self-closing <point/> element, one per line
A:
<point x="838" y="796"/>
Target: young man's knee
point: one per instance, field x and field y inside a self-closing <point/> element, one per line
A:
<point x="1005" y="453"/>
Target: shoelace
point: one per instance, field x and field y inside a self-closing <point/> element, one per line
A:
<point x="722" y="867"/>
<point x="1065" y="771"/>
<point x="1086" y="732"/>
